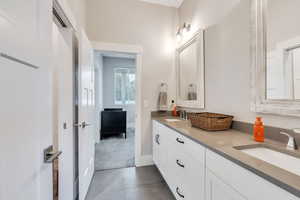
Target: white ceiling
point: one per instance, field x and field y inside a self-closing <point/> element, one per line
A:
<point x="170" y="3"/>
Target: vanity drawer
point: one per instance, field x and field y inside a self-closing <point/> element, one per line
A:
<point x="180" y="143"/>
<point x="189" y="176"/>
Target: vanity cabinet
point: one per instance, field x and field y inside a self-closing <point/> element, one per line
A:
<point x="224" y="177"/>
<point x="216" y="189"/>
<point x="180" y="161"/>
<point x="194" y="172"/>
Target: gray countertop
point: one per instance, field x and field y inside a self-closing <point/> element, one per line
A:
<point x="223" y="143"/>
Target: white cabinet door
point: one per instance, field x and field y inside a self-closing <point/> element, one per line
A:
<point x="194" y="178"/>
<point x="155" y="140"/>
<point x="160" y="148"/>
<point x="163" y="149"/>
<point x="217" y="190"/>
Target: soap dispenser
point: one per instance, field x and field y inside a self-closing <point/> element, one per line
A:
<point x="258" y="130"/>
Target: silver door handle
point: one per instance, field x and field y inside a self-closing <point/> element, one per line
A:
<point x="50" y="155"/>
<point x="84" y="124"/>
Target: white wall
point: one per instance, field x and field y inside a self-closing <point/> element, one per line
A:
<point x="109" y="65"/>
<point x="148" y="25"/>
<point x="227" y="54"/>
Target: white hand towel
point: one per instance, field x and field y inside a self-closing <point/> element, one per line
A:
<point x="163" y="101"/>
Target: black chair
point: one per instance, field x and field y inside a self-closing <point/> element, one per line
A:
<point x="113" y="122"/>
<point x="113" y="109"/>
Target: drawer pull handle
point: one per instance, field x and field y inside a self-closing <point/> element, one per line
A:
<point x="179" y="164"/>
<point x="177" y="191"/>
<point x="179" y="141"/>
<point x="157" y="139"/>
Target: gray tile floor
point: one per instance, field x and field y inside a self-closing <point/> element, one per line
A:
<point x="144" y="183"/>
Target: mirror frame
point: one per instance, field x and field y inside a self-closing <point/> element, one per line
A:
<point x="259" y="102"/>
<point x="197" y="38"/>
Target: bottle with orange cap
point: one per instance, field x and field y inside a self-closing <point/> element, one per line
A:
<point x="258" y="130"/>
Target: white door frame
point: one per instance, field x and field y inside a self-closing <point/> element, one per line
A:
<point x="138" y="50"/>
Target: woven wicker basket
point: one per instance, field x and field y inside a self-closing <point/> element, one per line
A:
<point x="211" y="121"/>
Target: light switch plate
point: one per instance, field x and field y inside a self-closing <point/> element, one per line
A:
<point x="146" y="103"/>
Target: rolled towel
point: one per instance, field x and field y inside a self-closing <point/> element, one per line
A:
<point x="192" y="96"/>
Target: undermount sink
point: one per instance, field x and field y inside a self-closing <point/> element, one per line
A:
<point x="172" y="120"/>
<point x="279" y="158"/>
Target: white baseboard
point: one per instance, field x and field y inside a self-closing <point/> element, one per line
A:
<point x="144" y="161"/>
<point x="131" y="125"/>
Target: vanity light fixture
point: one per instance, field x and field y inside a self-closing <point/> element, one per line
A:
<point x="183" y="30"/>
<point x="186" y="28"/>
<point x="178" y="35"/>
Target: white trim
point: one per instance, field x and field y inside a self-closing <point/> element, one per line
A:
<point x="174" y="3"/>
<point x="138" y="50"/>
<point x="122" y="48"/>
<point x="144" y="161"/>
<point x="67" y="11"/>
<point x="197" y="38"/>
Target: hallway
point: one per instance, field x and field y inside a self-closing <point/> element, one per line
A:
<point x="144" y="183"/>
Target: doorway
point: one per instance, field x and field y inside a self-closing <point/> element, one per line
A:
<point x="74" y="105"/>
<point x="115" y="74"/>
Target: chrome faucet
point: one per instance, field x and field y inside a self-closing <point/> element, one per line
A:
<point x="291" y="145"/>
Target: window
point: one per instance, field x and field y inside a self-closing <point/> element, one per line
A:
<point x="124" y="86"/>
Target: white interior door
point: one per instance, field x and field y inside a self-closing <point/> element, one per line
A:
<point x="63" y="108"/>
<point x="86" y="110"/>
<point x="25" y="104"/>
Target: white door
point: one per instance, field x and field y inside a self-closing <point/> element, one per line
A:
<point x="63" y="108"/>
<point x="19" y="23"/>
<point x="25" y="103"/>
<point x="87" y="110"/>
<point x="216" y="189"/>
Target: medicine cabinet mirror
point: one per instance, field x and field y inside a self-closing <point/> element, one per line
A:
<point x="190" y="72"/>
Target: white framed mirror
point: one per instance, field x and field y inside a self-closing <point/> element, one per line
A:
<point x="190" y="72"/>
<point x="275" y="74"/>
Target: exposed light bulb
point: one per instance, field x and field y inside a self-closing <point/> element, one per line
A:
<point x="178" y="35"/>
<point x="186" y="28"/>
